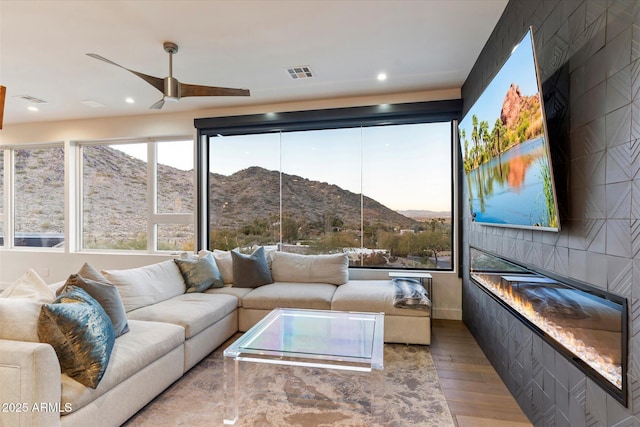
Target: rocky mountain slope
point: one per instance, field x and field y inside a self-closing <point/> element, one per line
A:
<point x="115" y="196"/>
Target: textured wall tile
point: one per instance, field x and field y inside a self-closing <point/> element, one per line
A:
<point x="596" y="413"/>
<point x="618" y="195"/>
<point x="619" y="238"/>
<point x="617" y="415"/>
<point x="596" y="273"/>
<point x="618" y="164"/>
<point x="618" y="126"/>
<point x="595" y="202"/>
<point x="619" y="276"/>
<point x="594" y="169"/>
<point x="635" y="119"/>
<point x="620" y="18"/>
<point x="618" y="94"/>
<point x="595" y="70"/>
<point x="561" y="255"/>
<point x="595" y="238"/>
<point x="577" y="265"/>
<point x="618" y="50"/>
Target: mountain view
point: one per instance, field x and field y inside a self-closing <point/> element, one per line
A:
<point x="244" y="209"/>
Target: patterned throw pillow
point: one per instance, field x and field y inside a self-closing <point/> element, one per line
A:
<point x="80" y="332"/>
<point x="200" y="273"/>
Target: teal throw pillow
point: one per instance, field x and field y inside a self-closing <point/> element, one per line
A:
<point x="200" y="273"/>
<point x="80" y="332"/>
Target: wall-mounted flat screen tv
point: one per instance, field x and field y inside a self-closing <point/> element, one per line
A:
<point x="505" y="148"/>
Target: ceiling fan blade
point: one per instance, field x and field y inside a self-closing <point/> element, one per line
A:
<point x="197" y="90"/>
<point x="3" y="93"/>
<point x="158" y="105"/>
<point x="156" y="82"/>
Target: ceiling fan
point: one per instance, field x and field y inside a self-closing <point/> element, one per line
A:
<point x="171" y="88"/>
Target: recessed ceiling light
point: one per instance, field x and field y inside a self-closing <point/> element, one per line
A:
<point x="130" y="100"/>
<point x="32" y="108"/>
<point x="382" y="76"/>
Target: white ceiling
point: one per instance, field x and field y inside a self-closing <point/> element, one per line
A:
<point x="421" y="45"/>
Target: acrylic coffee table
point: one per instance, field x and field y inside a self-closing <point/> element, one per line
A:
<point x="312" y="338"/>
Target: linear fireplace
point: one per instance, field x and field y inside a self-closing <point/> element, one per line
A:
<point x="585" y="324"/>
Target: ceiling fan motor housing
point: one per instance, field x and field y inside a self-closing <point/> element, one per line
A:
<point x="171" y="89"/>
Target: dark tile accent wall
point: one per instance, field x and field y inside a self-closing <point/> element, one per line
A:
<point x="589" y="57"/>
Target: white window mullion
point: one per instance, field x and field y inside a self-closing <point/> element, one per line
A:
<point x="152" y="196"/>
<point x="7" y="198"/>
<point x="72" y="196"/>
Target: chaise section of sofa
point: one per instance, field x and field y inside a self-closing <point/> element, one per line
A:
<point x="401" y="325"/>
<point x="322" y="282"/>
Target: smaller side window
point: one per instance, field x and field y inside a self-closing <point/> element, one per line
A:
<point x="39" y="196"/>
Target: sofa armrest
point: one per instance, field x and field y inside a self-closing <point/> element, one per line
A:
<point x="30" y="381"/>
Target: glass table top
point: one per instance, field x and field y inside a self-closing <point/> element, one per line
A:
<point x="350" y="340"/>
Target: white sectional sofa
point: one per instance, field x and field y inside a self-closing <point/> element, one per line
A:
<point x="170" y="330"/>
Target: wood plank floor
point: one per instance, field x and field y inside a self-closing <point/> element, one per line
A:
<point x="476" y="395"/>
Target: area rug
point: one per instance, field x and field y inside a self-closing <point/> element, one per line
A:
<point x="283" y="396"/>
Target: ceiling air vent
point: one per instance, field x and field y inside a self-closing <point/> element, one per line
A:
<point x="30" y="99"/>
<point x="300" y="72"/>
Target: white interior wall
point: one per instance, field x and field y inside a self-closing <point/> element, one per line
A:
<point x="56" y="265"/>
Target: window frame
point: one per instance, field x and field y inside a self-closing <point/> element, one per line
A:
<point x="376" y="115"/>
<point x="154" y="218"/>
<point x="9" y="194"/>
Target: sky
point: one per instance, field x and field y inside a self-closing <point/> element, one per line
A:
<point x="519" y="69"/>
<point x="403" y="167"/>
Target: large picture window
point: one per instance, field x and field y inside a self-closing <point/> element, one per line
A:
<point x="381" y="193"/>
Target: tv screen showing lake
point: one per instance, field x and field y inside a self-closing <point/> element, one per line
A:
<point x="514" y="188"/>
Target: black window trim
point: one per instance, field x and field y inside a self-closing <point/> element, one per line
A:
<point x="333" y="118"/>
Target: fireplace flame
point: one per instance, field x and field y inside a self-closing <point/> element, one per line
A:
<point x="604" y="365"/>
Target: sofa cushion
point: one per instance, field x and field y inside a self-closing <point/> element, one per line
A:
<point x="194" y="312"/>
<point x="224" y="263"/>
<point x="250" y="271"/>
<point x="200" y="272"/>
<point x="290" y="295"/>
<point x="20" y="307"/>
<point x="332" y="269"/>
<point x="142" y="286"/>
<point x="19" y="319"/>
<point x="145" y="343"/>
<point x="371" y="296"/>
<point x="107" y="295"/>
<point x="239" y="293"/>
<point x="80" y="332"/>
<point x="29" y="286"/>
